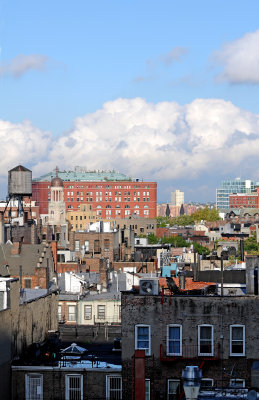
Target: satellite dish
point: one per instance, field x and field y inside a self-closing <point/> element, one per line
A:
<point x="252" y="395"/>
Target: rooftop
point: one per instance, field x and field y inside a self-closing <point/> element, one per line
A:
<point x="49" y="354"/>
<point x="81" y="174"/>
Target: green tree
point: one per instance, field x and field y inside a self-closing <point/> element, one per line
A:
<point x="200" y="249"/>
<point x="250" y="244"/>
<point x="152" y="239"/>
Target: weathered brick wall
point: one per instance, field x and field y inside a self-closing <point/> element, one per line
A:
<point x="158" y="312"/>
<point x="54" y="383"/>
<point x="21" y="325"/>
<point x="105" y="252"/>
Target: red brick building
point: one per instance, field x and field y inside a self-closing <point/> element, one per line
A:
<point x="237" y="200"/>
<point x="110" y="198"/>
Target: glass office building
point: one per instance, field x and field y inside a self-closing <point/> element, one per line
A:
<point x="233" y="186"/>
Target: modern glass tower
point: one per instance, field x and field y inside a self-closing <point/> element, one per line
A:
<point x="232" y="186"/>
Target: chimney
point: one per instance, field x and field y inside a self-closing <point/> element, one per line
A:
<point x="181" y="275"/>
<point x="16" y="248"/>
<point x="103" y="273"/>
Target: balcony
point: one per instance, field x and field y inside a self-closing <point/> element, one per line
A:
<point x="190" y="352"/>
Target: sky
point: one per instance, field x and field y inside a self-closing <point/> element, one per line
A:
<point x="163" y="91"/>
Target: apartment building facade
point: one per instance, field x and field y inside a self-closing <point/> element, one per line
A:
<point x="162" y="334"/>
<point x="111" y="195"/>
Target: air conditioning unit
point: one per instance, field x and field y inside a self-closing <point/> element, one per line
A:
<point x="148" y="286"/>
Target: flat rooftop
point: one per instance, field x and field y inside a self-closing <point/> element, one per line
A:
<point x="82" y="175"/>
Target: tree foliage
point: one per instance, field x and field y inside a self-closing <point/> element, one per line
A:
<point x="205" y="214"/>
<point x="251" y="245"/>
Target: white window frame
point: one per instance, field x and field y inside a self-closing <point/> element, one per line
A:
<point x="232" y="383"/>
<point x="168" y="340"/>
<point x="60" y="312"/>
<point x="168" y="387"/>
<point x="231" y="340"/>
<point x="29" y="378"/>
<point x="80" y="391"/>
<point x="211" y="340"/>
<point x="101" y="311"/>
<point x="207" y="380"/>
<point x="148" y="349"/>
<point x="147" y="389"/>
<point x="69" y="314"/>
<point x="108" y="387"/>
<point x="88" y="316"/>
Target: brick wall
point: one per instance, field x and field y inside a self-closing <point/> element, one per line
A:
<point x="189" y="312"/>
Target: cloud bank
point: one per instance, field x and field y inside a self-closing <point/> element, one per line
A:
<point x="163" y="141"/>
<point x="240" y="59"/>
<point x="21" y="64"/>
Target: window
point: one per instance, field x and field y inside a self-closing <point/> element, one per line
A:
<point x="207" y="383"/>
<point x="88" y="312"/>
<point x="101" y="312"/>
<point x="237" y="340"/>
<point x="72" y="313"/>
<point x="237" y="383"/>
<point x="74" y="387"/>
<point x="76" y="244"/>
<point x="205" y="340"/>
<point x="174" y="340"/>
<point x="147" y="389"/>
<point x="142" y="338"/>
<point x="106" y="244"/>
<point x="27" y="283"/>
<point x="113" y="387"/>
<point x="173" y="389"/>
<point x="60" y="313"/>
<point x="33" y="387"/>
<point x="86" y="245"/>
<point x="97" y="246"/>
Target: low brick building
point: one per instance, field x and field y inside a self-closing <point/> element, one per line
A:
<point x="97" y="244"/>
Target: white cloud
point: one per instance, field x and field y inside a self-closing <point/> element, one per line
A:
<point x="21" y="64"/>
<point x="240" y="59"/>
<point x="21" y="144"/>
<point x="162" y="141"/>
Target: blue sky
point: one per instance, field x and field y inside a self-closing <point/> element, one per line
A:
<point x="97" y="83"/>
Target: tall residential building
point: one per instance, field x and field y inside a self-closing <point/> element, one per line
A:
<point x="232" y="186"/>
<point x="110" y="194"/>
<point x="177" y="198"/>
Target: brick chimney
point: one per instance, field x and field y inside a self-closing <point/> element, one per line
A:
<point x="16" y="249"/>
<point x="103" y="273"/>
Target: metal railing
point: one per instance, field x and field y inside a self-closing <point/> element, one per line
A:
<point x="189" y="352"/>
